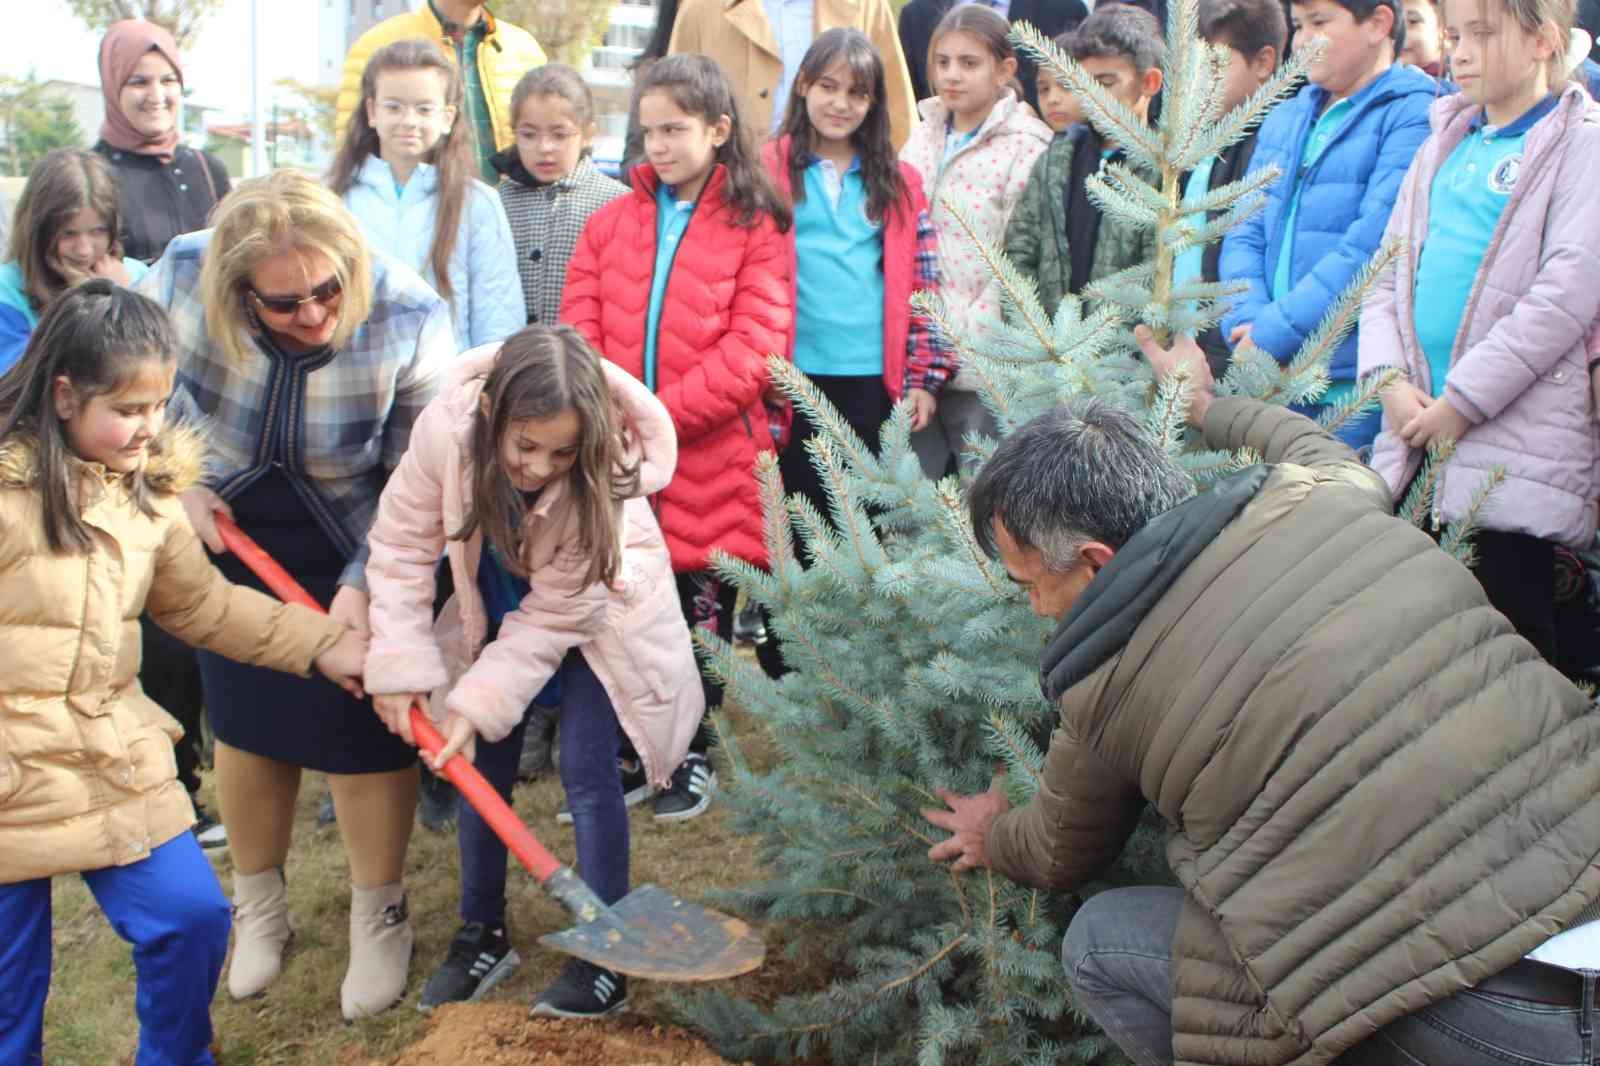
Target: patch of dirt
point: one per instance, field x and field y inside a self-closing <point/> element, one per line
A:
<point x="502" y="1034"/>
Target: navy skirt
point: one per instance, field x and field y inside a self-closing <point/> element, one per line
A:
<point x="306" y="722"/>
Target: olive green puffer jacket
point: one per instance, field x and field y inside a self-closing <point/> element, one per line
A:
<point x="1039" y="236"/>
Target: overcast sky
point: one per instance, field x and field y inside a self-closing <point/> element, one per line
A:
<point x="217" y="68"/>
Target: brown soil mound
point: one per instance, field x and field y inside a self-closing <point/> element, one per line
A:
<point x="502" y="1034"/>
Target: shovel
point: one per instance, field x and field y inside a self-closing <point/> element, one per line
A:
<point x="649" y="933"/>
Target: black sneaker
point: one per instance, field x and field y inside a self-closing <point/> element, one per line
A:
<point x="436" y="802"/>
<point x="538" y="745"/>
<point x="207" y="830"/>
<point x="690" y="794"/>
<point x="582" y="990"/>
<point x="480" y="958"/>
<point x="748" y="625"/>
<point x="635" y="789"/>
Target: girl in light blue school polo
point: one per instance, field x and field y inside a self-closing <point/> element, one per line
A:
<point x="405" y="171"/>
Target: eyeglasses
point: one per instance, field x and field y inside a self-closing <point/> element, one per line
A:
<point x="322" y="295"/>
<point x="555" y="138"/>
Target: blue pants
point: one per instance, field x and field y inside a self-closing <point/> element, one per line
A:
<point x="588" y="731"/>
<point x="170" y="908"/>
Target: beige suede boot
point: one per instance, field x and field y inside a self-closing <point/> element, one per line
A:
<point x="260" y="932"/>
<point x="380" y="950"/>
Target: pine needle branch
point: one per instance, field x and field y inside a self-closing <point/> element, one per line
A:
<point x="1109" y="115"/>
<point x="1458" y="535"/>
<point x="953" y="516"/>
<point x="1417" y="508"/>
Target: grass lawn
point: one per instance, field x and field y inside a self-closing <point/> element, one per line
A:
<point x="90" y="1017"/>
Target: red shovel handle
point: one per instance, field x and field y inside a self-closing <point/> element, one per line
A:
<point x="535" y="858"/>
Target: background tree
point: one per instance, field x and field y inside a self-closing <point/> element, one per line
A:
<point x="181" y="18"/>
<point x="317" y="105"/>
<point x="35" y="119"/>
<point x="914" y="660"/>
<point x="567" y="30"/>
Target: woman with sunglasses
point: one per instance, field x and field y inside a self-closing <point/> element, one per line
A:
<point x="310" y="358"/>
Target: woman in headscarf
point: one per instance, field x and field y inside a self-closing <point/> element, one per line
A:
<point x="164" y="188"/>
<point x="168" y="188"/>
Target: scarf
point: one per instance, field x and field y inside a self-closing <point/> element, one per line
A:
<point x="125" y="43"/>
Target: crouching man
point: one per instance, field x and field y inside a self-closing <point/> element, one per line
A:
<point x="1384" y="806"/>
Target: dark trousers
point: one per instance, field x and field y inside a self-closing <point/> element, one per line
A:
<point x="169" y="906"/>
<point x="862" y="402"/>
<point x="708" y="603"/>
<point x="170" y="675"/>
<point x="1518" y="573"/>
<point x="594" y="796"/>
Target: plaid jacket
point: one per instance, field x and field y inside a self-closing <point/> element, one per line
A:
<point x="930" y="362"/>
<point x="336" y="423"/>
<point x="545" y="223"/>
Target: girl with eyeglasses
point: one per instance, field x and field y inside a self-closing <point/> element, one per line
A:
<point x="310" y="358"/>
<point x="550" y="185"/>
<point x="405" y="169"/>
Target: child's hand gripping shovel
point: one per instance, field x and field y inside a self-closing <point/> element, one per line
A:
<point x="648" y="933"/>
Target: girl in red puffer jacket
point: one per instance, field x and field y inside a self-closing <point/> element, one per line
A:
<point x="688" y="284"/>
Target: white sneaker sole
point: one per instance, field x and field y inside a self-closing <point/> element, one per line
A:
<point x="497" y="973"/>
<point x="545" y="1010"/>
<point x="629" y="799"/>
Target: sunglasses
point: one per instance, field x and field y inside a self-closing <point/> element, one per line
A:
<point x="323" y="295"/>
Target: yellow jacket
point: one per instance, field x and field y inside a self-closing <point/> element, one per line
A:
<point x="506" y="54"/>
<point x="87" y="777"/>
<point x="737" y="35"/>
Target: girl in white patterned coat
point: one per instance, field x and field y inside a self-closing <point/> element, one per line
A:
<point x="975" y="147"/>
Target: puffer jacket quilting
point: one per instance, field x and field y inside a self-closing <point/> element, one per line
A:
<point x="986" y="178"/>
<point x="87" y="776"/>
<point x="632" y="634"/>
<point x="729" y="306"/>
<point x="1345" y="204"/>
<point x="1036" y="237"/>
<point x="1519" y="370"/>
<point x="1371" y="807"/>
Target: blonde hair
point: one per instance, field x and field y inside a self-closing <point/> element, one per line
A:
<point x="284" y="211"/>
<point x="1535" y="17"/>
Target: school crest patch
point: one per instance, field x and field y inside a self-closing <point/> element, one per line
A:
<point x="1503" y="178"/>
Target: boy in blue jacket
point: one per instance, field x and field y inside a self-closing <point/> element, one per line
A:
<point x="1342" y="145"/>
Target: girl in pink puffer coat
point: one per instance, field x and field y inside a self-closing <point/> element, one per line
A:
<point x="1489" y="312"/>
<point x="529" y="473"/>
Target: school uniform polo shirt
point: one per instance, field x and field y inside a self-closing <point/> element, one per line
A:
<point x="839" y="273"/>
<point x="1465" y="202"/>
<point x="1190" y="264"/>
<point x="672" y="218"/>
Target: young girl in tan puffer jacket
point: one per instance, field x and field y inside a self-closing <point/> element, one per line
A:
<point x="92" y="534"/>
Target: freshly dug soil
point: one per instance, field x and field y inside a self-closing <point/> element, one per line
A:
<point x="502" y="1034"/>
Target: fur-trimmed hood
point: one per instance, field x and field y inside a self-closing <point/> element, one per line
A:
<point x="174" y="463"/>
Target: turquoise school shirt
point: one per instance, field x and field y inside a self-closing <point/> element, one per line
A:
<point x="839" y="276"/>
<point x="672" y="218"/>
<point x="1328" y="125"/>
<point x="1468" y="195"/>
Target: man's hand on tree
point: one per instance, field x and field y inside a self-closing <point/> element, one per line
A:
<point x="1184" y="355"/>
<point x="968" y="821"/>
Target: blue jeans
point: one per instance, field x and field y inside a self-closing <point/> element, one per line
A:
<point x="588" y="731"/>
<point x="1118" y="958"/>
<point x="170" y="908"/>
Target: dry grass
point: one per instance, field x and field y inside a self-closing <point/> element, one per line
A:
<point x="90" y="1017"/>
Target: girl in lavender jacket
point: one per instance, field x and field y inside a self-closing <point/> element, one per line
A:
<point x="1488" y="314"/>
<point x="529" y="474"/>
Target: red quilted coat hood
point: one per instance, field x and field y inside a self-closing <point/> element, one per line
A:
<point x="729" y="304"/>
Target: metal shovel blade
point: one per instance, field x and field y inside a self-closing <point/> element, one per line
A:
<point x="653" y="934"/>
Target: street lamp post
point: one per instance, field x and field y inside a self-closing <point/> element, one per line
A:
<point x="258" y="91"/>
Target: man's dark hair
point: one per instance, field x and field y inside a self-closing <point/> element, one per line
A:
<point x="1120" y="31"/>
<point x="1363" y="9"/>
<point x="1084" y="471"/>
<point x="1246" y="26"/>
